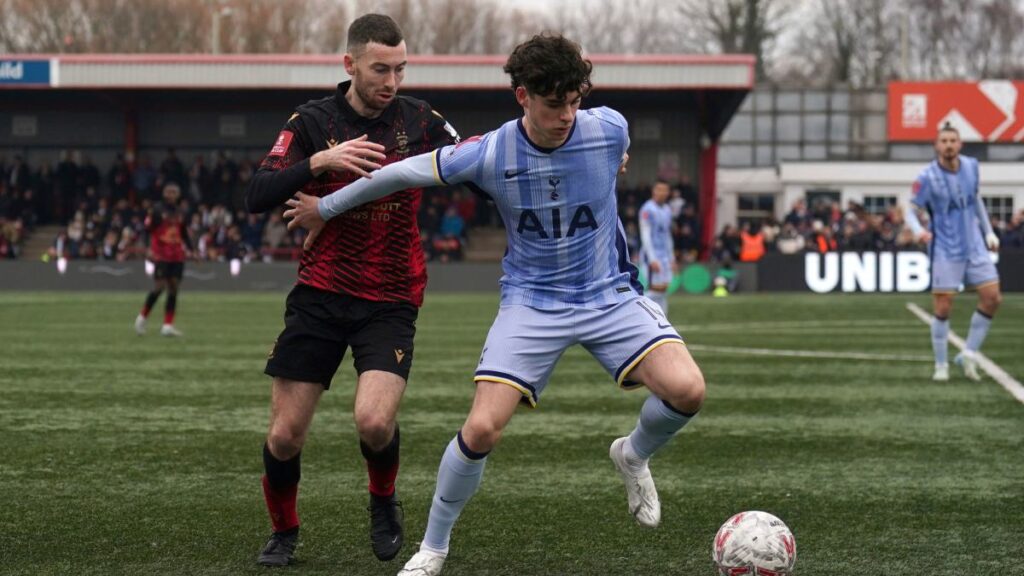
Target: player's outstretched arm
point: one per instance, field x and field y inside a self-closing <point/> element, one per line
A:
<point x="311" y="213"/>
<point x="271" y="185"/>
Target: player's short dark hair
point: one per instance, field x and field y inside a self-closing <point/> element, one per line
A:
<point x="549" y="65"/>
<point x="373" y="28"/>
<point x="947" y="127"/>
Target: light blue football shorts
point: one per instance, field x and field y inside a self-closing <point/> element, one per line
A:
<point x="948" y="275"/>
<point x="524" y="343"/>
<point x="662" y="277"/>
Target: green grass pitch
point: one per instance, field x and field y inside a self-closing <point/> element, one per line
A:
<point x="129" y="455"/>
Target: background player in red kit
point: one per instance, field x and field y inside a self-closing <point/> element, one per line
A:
<point x="360" y="284"/>
<point x="168" y="243"/>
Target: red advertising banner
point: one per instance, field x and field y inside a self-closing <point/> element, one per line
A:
<point x="986" y="111"/>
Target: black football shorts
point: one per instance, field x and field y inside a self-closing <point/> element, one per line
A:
<point x="320" y="325"/>
<point x="168" y="270"/>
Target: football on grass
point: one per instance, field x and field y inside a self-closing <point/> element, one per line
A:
<point x="754" y="544"/>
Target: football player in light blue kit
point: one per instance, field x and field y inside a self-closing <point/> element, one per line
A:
<point x="567" y="278"/>
<point x="959" y="238"/>
<point x="656" y="255"/>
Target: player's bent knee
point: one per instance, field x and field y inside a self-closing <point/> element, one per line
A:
<point x="994" y="301"/>
<point x="686" y="392"/>
<point x="374" y="429"/>
<point x="481" y="434"/>
<point x="285" y="442"/>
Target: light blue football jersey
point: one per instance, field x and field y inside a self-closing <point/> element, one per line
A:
<point x="566" y="245"/>
<point x="950" y="200"/>
<point x="658" y="217"/>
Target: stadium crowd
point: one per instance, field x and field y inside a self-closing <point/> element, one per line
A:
<point x="826" y="228"/>
<point x="103" y="212"/>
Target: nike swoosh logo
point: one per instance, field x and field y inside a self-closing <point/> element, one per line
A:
<point x="512" y="174"/>
<point x="450" y="501"/>
<point x="660" y="325"/>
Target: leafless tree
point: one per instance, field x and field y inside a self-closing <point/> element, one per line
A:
<point x="52" y="26"/>
<point x="854" y="42"/>
<point x="614" y="27"/>
<point x="846" y="42"/>
<point x="737" y="26"/>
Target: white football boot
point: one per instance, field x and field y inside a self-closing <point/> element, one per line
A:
<point x="643" y="500"/>
<point x="423" y="563"/>
<point x="969" y="362"/>
<point x="170" y="330"/>
<point x="140" y="325"/>
<point x="941" y="373"/>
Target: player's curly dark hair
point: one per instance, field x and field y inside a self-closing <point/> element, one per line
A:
<point x="549" y="65"/>
<point x="373" y="28"/>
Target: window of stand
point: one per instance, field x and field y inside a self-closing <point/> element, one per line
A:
<point x="878" y="204"/>
<point x="1000" y="207"/>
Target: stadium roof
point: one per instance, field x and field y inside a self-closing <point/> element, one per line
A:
<point x="277" y="71"/>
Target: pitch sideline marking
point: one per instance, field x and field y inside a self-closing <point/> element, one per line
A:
<point x="810" y="353"/>
<point x="1015" y="388"/>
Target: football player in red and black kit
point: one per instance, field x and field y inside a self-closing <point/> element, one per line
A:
<point x="360" y="284"/>
<point x="169" y="243"/>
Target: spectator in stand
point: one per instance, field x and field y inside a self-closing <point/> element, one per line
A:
<point x="823" y="240"/>
<point x="65" y="179"/>
<point x="109" y="250"/>
<point x="1014" y="235"/>
<point x="172" y="170"/>
<point x="888" y="235"/>
<point x="859" y="236"/>
<point x="116" y="206"/>
<point x="676" y="202"/>
<point x="275" y="234"/>
<point x="6" y="203"/>
<point x="198" y="180"/>
<point x="728" y="244"/>
<point x="790" y="241"/>
<point x="225" y="179"/>
<point x="42" y="187"/>
<point x="799" y="217"/>
<point x="119" y="179"/>
<point x="19" y="177"/>
<point x="76" y="235"/>
<point x="251" y="233"/>
<point x="144" y="178"/>
<point x="25" y="210"/>
<point x="465" y="203"/>
<point x="449" y="241"/>
<point x="89" y="178"/>
<point x="688" y="192"/>
<point x="751" y="242"/>
<point x="686" y="234"/>
<point x="245" y="171"/>
<point x="429" y="217"/>
<point x="10" y="238"/>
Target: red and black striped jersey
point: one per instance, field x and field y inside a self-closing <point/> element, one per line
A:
<point x="372" y="252"/>
<point x="167" y="234"/>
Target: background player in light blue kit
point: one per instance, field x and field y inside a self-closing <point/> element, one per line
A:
<point x="959" y="237"/>
<point x="656" y="254"/>
<point x="567" y="278"/>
